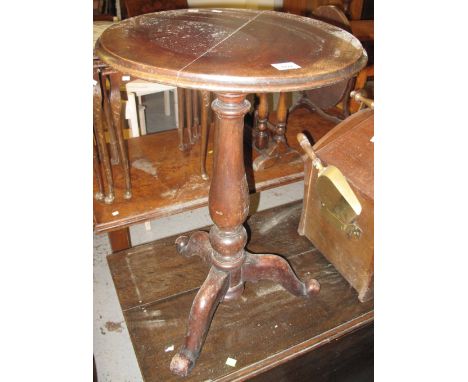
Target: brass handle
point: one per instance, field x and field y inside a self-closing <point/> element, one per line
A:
<point x="358" y="96"/>
<point x="306" y="146"/>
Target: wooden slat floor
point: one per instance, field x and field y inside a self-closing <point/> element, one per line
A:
<point x="272" y="334"/>
<point x="166" y="181"/>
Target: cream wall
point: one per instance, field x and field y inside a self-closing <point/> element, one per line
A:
<point x="255" y="4"/>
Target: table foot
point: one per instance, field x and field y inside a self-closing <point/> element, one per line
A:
<point x="197" y="244"/>
<point x="275" y="268"/>
<point x="204" y="305"/>
<point x="99" y="195"/>
<point x="127" y="194"/>
<point x="109" y="198"/>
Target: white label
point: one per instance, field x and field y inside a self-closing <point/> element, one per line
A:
<point x="125" y="78"/>
<point x="115" y="213"/>
<point x="285" y="66"/>
<point x="372" y="139"/>
<point x="231" y="362"/>
<point x="148" y="226"/>
<point x="94" y="82"/>
<point x="169" y="348"/>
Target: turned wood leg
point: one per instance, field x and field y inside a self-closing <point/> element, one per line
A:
<point x="101" y="140"/>
<point x="142" y="115"/>
<point x="203" y="308"/>
<point x="282" y="115"/>
<point x="188" y="113"/>
<point x="181" y="118"/>
<point x="114" y="146"/>
<point x="176" y="107"/>
<point x="167" y="103"/>
<point x="205" y="95"/>
<point x="119" y="239"/>
<point x="99" y="195"/>
<point x="275" y="268"/>
<point x="196" y="119"/>
<point x="117" y="115"/>
<point x="261" y="138"/>
<point x="132" y="114"/>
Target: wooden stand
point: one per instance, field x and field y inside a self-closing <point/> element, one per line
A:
<point x="223" y="247"/>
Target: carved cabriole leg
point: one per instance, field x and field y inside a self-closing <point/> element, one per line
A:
<point x="196" y="119"/>
<point x="261" y="139"/>
<point x="205" y="106"/>
<point x="99" y="195"/>
<point x="101" y="140"/>
<point x="181" y="108"/>
<point x="279" y="149"/>
<point x="117" y="115"/>
<point x="114" y="146"/>
<point x="204" y="305"/>
<point x="188" y="112"/>
<point x="275" y="268"/>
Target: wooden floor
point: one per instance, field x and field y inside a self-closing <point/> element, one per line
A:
<point x="166" y="181"/>
<point x="273" y="335"/>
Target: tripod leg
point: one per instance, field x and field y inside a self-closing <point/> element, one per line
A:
<point x="275" y="268"/>
<point x="203" y="308"/>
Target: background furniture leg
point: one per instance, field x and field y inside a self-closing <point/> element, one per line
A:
<point x="176" y="108"/>
<point x="261" y="138"/>
<point x="180" y="127"/>
<point x="101" y="140"/>
<point x="167" y="103"/>
<point x="280" y="148"/>
<point x="205" y="95"/>
<point x="99" y="195"/>
<point x="142" y="116"/>
<point x="114" y="149"/>
<point x="188" y="112"/>
<point x="119" y="239"/>
<point x="117" y="115"/>
<point x="132" y="114"/>
<point x="196" y="120"/>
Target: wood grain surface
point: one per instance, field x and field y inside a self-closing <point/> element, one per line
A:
<point x="265" y="330"/>
<point x="231" y="50"/>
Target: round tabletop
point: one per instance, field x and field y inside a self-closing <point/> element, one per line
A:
<point x="231" y="50"/>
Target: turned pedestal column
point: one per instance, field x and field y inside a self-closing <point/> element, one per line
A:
<point x="224" y="246"/>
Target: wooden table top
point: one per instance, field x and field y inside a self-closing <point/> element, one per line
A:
<point x="231" y="50"/>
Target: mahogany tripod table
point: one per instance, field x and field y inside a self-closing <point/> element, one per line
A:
<point x="232" y="53"/>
